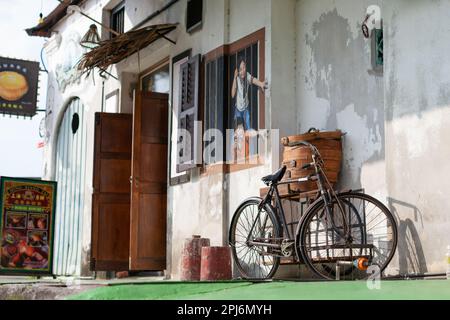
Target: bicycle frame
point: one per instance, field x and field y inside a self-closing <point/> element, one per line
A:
<point x="326" y="194"/>
<point x="333" y="228"/>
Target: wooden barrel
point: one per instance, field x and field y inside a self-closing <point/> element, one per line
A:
<point x="329" y="144"/>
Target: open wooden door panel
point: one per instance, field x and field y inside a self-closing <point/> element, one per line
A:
<point x="110" y="249"/>
<point x="149" y="182"/>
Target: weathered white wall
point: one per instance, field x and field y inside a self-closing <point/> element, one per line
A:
<point x="69" y="31"/>
<point x="205" y="204"/>
<point x="318" y="67"/>
<point x="89" y="89"/>
<point x="417" y="101"/>
<point x="336" y="88"/>
<point x="282" y="63"/>
<point x="396" y="123"/>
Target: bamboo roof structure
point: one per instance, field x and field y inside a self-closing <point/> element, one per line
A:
<point x="122" y="46"/>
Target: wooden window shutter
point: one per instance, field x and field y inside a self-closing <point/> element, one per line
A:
<point x="189" y="147"/>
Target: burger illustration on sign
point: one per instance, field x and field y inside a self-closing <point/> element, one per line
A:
<point x="13" y="85"/>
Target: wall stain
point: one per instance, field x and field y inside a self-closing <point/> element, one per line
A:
<point x="339" y="72"/>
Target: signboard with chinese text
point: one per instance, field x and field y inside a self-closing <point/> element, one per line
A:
<point x="18" y="86"/>
<point x="27" y="225"/>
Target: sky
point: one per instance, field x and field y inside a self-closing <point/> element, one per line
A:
<point x="19" y="154"/>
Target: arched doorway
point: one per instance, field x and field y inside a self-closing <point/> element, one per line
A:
<point x="70" y="174"/>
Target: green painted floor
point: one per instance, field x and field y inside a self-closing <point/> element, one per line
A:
<point x="276" y="290"/>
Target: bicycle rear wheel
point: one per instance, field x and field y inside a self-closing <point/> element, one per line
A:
<point x="250" y="223"/>
<point x="375" y="240"/>
<point x="357" y="232"/>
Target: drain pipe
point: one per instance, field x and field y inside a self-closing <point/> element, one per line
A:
<point x="363" y="265"/>
<point x="414" y="276"/>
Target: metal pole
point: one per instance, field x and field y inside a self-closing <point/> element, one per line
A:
<point x="338" y="271"/>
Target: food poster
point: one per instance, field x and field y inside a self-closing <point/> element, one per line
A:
<point x="18" y="86"/>
<point x="27" y="223"/>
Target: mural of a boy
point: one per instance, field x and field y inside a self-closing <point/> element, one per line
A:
<point x="239" y="91"/>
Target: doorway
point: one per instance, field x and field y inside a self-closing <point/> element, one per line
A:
<point x="130" y="187"/>
<point x="70" y="173"/>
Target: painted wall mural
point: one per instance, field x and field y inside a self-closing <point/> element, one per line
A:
<point x="66" y="71"/>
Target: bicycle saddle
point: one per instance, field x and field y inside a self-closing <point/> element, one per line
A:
<point x="275" y="177"/>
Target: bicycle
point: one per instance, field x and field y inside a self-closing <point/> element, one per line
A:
<point x="339" y="236"/>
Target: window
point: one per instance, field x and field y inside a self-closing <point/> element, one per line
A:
<point x="244" y="63"/>
<point x="157" y="80"/>
<point x="194" y="14"/>
<point x="215" y="112"/>
<point x="189" y="148"/>
<point x="234" y="98"/>
<point x="177" y="62"/>
<point x="117" y="18"/>
<point x="246" y="103"/>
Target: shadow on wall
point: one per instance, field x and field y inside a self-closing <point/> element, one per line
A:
<point x="339" y="72"/>
<point x="411" y="258"/>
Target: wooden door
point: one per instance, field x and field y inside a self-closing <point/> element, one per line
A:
<point x="149" y="182"/>
<point x="111" y="198"/>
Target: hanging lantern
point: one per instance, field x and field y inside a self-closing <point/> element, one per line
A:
<point x="41" y="16"/>
<point x="91" y="39"/>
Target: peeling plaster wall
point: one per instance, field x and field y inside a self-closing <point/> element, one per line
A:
<point x="336" y="88"/>
<point x="396" y="123"/>
<point x="205" y="205"/>
<point x="73" y="28"/>
<point x="318" y="67"/>
<point x="417" y="95"/>
<point x="282" y="86"/>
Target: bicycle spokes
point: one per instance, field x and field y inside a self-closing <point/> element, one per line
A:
<point x="371" y="236"/>
<point x="251" y="230"/>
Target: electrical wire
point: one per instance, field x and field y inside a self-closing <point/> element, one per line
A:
<point x="42" y="61"/>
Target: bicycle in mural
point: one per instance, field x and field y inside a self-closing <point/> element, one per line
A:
<point x="339" y="236"/>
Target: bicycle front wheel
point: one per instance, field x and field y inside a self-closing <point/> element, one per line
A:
<point x="372" y="228"/>
<point x="252" y="224"/>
